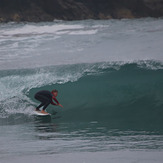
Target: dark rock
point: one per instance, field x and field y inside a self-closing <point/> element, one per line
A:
<point x="155" y="7"/>
<point x="48" y="10"/>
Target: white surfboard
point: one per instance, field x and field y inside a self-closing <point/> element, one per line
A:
<point x="40" y="114"/>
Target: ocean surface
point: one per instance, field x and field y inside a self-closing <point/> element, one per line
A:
<point x="109" y="75"/>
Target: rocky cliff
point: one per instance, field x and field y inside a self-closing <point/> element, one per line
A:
<point x="48" y="10"/>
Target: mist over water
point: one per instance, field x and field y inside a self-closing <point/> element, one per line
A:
<point x="110" y="80"/>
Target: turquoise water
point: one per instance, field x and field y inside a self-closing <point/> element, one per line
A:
<point x="110" y="80"/>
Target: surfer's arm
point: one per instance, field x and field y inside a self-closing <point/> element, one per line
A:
<point x="53" y="103"/>
<point x="57" y="102"/>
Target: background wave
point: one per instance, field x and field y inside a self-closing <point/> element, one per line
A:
<point x="31" y="45"/>
<point x="116" y="92"/>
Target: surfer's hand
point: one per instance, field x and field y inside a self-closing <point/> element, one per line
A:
<point x="60" y="105"/>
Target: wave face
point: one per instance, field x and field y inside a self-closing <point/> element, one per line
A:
<point x="117" y="93"/>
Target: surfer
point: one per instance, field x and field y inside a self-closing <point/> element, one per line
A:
<point x="46" y="98"/>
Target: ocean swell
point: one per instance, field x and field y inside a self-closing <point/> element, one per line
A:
<point x="116" y="92"/>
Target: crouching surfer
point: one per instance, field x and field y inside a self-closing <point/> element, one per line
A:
<point x="46" y="98"/>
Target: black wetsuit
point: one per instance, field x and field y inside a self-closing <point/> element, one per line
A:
<point x="45" y="97"/>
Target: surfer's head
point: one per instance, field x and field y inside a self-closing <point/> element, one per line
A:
<point x="55" y="92"/>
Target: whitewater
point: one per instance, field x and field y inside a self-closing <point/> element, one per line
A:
<point x="109" y="74"/>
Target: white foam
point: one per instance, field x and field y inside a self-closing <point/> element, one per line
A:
<point x="38" y="30"/>
<point x="84" y="32"/>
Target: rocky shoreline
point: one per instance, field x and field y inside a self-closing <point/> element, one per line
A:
<point x="49" y="10"/>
